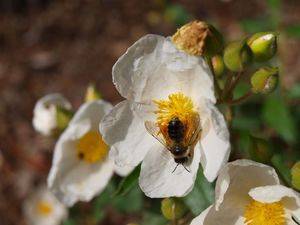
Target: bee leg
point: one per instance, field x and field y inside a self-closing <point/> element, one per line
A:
<point x="175" y="168"/>
<point x="186" y="168"/>
<point x="295" y="220"/>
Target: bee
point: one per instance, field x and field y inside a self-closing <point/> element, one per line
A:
<point x="177" y="138"/>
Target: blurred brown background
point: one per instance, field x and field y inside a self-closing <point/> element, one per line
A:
<point x="62" y="46"/>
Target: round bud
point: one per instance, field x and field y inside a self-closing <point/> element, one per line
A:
<point x="218" y="65"/>
<point x="295" y="172"/>
<point x="264" y="80"/>
<point x="237" y="55"/>
<point x="260" y="150"/>
<point x="172" y="208"/>
<point x="92" y="94"/>
<point x="198" y="38"/>
<point x="263" y="46"/>
<point x="63" y="117"/>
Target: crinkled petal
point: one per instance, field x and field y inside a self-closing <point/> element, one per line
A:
<point x="125" y="132"/>
<point x="199" y="220"/>
<point x="239" y="177"/>
<point x="157" y="179"/>
<point x="229" y="214"/>
<point x="152" y="68"/>
<point x="44" y="113"/>
<point x="275" y="193"/>
<point x="84" y="182"/>
<point x="215" y="143"/>
<point x="69" y="178"/>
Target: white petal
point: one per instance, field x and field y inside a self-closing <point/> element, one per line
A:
<point x="44" y="113"/>
<point x="275" y="193"/>
<point x="69" y="178"/>
<point x="215" y="143"/>
<point x="239" y="177"/>
<point x="227" y="215"/>
<point x="56" y="216"/>
<point x="157" y="179"/>
<point x="123" y="171"/>
<point x="84" y="182"/>
<point x="152" y="68"/>
<point x="199" y="220"/>
<point x="93" y="111"/>
<point x="124" y="131"/>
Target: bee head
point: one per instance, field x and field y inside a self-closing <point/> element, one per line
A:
<point x="181" y="160"/>
<point x="178" y="150"/>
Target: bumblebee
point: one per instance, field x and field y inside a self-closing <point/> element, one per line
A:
<point x="177" y="138"/>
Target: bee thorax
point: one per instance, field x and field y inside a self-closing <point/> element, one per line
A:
<point x="176" y="130"/>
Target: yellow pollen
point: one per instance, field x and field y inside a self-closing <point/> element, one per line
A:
<point x="44" y="208"/>
<point x="177" y="105"/>
<point x="257" y="213"/>
<point x="91" y="148"/>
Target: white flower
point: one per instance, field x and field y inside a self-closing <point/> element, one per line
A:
<point x="42" y="208"/>
<point x="81" y="168"/>
<point x="161" y="83"/>
<point x="44" y="113"/>
<point x="250" y="193"/>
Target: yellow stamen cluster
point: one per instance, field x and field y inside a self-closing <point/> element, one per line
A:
<point x="191" y="37"/>
<point x="91" y="148"/>
<point x="257" y="213"/>
<point x="177" y="105"/>
<point x="44" y="208"/>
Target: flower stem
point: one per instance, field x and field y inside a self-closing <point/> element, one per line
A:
<point x="241" y="99"/>
<point x="216" y="83"/>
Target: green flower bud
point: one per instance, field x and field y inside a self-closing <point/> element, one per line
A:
<point x="218" y="65"/>
<point x="263" y="46"/>
<point x="264" y="80"/>
<point x="295" y="171"/>
<point x="237" y="55"/>
<point x="260" y="150"/>
<point x="198" y="38"/>
<point x="92" y="94"/>
<point x="173" y="208"/>
<point x="63" y="117"/>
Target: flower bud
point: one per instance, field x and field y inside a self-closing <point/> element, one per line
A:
<point x="260" y="150"/>
<point x="198" y="38"/>
<point x="45" y="113"/>
<point x="63" y="117"/>
<point x="295" y="172"/>
<point x="92" y="94"/>
<point x="264" y="80"/>
<point x="237" y="55"/>
<point x="263" y="46"/>
<point x="218" y="65"/>
<point x="172" y="208"/>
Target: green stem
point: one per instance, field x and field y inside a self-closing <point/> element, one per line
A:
<point x="241" y="99"/>
<point x="234" y="83"/>
<point x="216" y="83"/>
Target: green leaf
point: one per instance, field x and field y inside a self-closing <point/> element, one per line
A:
<point x="256" y="25"/>
<point x="281" y="168"/>
<point x="293" y="31"/>
<point x="102" y="201"/>
<point x="201" y="196"/>
<point x="274" y="4"/>
<point x="134" y="197"/>
<point x="176" y="14"/>
<point x="277" y="115"/>
<point x="128" y="182"/>
<point x="294" y="92"/>
<point x="153" y="219"/>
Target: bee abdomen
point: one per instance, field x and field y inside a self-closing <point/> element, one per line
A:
<point x="176" y="130"/>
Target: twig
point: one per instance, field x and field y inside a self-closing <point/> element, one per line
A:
<point x="241" y="99"/>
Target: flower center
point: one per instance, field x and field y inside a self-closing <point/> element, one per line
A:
<point x="91" y="148"/>
<point x="44" y="208"/>
<point x="257" y="213"/>
<point x="176" y="106"/>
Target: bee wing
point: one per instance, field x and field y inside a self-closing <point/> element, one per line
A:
<point x="154" y="130"/>
<point x="196" y="132"/>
